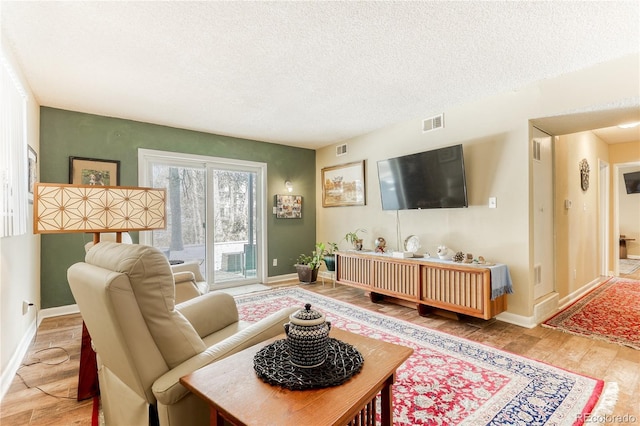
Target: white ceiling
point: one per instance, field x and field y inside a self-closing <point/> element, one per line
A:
<point x="302" y="73"/>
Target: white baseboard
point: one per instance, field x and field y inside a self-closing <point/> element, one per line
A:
<point x="633" y="256"/>
<point x="546" y="308"/>
<point x="572" y="297"/>
<point x="16" y="359"/>
<point x="519" y="320"/>
<point x="282" y="278"/>
<point x="57" y="311"/>
<point x="289" y="278"/>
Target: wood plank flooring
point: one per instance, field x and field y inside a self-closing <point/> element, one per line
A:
<point x="57" y="376"/>
<point x="51" y="365"/>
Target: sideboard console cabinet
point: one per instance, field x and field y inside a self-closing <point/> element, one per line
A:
<point x="455" y="287"/>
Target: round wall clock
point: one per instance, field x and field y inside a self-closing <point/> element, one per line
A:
<point x="584" y="174"/>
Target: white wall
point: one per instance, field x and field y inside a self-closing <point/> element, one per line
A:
<point x="495" y="135"/>
<point x="19" y="268"/>
<point x="576" y="228"/>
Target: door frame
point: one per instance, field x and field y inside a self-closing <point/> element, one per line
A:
<point x="146" y="156"/>
<point x="617" y="171"/>
<point x="603" y="221"/>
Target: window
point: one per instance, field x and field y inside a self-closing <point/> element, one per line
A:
<point x="13" y="153"/>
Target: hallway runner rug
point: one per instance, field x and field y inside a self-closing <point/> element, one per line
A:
<point x="610" y="312"/>
<point x="453" y="381"/>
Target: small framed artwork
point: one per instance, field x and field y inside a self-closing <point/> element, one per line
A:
<point x="32" y="171"/>
<point x="289" y="206"/>
<point x="93" y="171"/>
<point x="343" y="185"/>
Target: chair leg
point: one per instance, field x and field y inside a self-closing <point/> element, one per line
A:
<point x="153" y="415"/>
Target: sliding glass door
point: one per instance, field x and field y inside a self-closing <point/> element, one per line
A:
<point x="215" y="210"/>
<point x="234" y="224"/>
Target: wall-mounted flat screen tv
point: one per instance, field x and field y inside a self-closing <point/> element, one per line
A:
<point x="426" y="180"/>
<point x="632" y="182"/>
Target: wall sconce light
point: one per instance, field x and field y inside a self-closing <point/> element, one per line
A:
<point x="288" y="185"/>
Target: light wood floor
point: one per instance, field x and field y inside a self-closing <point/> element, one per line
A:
<point x="24" y="405"/>
<point x="56" y="375"/>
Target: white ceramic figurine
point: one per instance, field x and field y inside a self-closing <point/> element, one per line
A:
<point x="445" y="252"/>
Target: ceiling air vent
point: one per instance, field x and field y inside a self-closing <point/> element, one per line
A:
<point x="341" y="150"/>
<point x="433" y="123"/>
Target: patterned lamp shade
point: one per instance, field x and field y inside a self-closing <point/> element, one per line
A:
<point x="67" y="208"/>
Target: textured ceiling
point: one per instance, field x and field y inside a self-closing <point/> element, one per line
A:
<point x="302" y="73"/>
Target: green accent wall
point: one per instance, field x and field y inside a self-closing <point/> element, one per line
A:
<point x="67" y="133"/>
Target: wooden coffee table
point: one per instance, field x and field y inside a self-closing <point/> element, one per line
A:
<point x="235" y="393"/>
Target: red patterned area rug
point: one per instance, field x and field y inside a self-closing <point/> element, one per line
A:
<point x="453" y="381"/>
<point x="610" y="312"/>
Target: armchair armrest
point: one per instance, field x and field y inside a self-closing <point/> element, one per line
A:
<point x="189" y="267"/>
<point x="180" y="277"/>
<point x="186" y="286"/>
<point x="210" y="312"/>
<point x="167" y="388"/>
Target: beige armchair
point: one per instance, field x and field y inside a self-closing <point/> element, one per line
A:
<point x="187" y="276"/>
<point x="189" y="281"/>
<point x="145" y="342"/>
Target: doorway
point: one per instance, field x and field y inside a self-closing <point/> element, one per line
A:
<point x="604" y="124"/>
<point x="215" y="214"/>
<point x="626" y="217"/>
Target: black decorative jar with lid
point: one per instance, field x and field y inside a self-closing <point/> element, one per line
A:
<point x="307" y="337"/>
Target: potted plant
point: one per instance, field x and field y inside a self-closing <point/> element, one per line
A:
<point x="307" y="265"/>
<point x="330" y="256"/>
<point x="354" y="239"/>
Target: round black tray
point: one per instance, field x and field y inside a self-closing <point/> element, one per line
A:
<point x="272" y="365"/>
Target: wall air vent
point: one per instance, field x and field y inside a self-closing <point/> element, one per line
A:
<point x="341" y="150"/>
<point x="433" y="123"/>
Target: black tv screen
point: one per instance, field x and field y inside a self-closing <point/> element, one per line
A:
<point x="426" y="180"/>
<point x="632" y="182"/>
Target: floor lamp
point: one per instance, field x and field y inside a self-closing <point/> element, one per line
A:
<point x="69" y="208"/>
